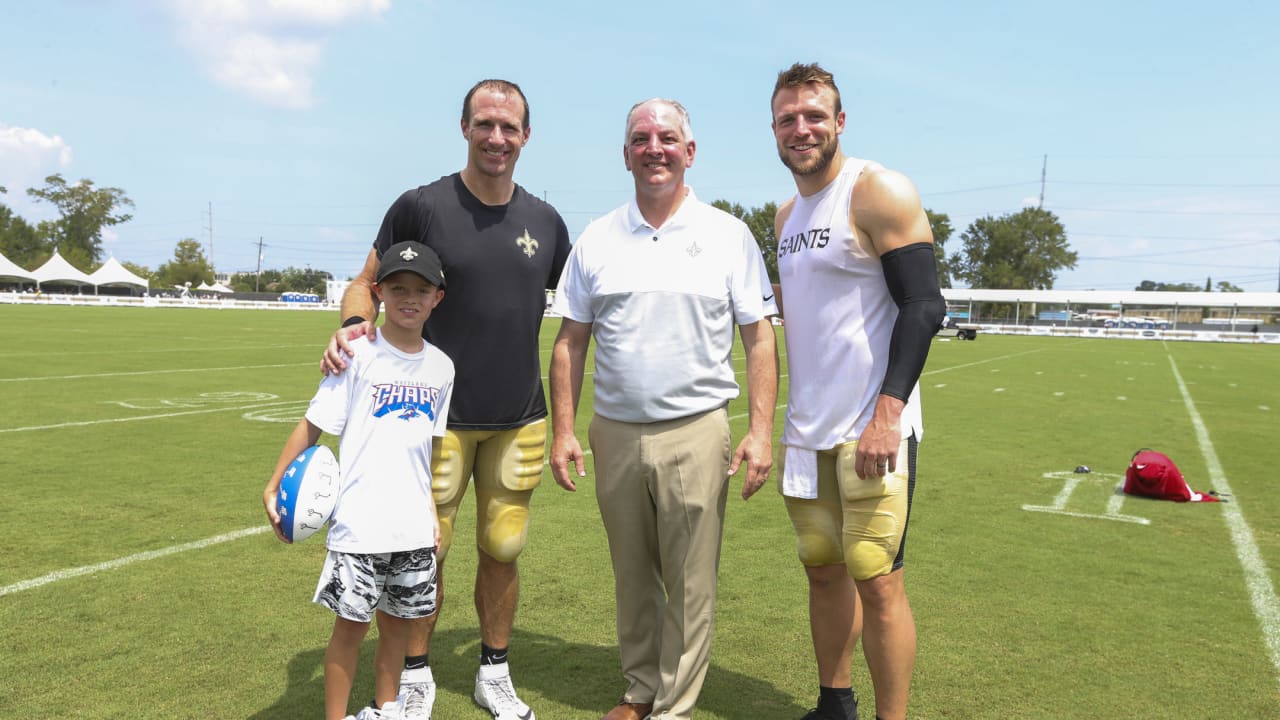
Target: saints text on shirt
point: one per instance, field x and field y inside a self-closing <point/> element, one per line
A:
<point x="816" y="239"/>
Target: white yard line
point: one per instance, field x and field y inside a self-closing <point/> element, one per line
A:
<point x="1266" y="606"/>
<point x="106" y="421"/>
<point x="129" y="560"/>
<point x="980" y="362"/>
<point x="152" y="372"/>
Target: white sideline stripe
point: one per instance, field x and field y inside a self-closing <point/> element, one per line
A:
<point x="149" y="372"/>
<point x="129" y="560"/>
<point x="1266" y="606"/>
<point x="105" y="421"/>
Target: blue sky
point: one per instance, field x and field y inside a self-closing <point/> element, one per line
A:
<point x="299" y="121"/>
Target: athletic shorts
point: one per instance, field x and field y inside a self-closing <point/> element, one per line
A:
<point x="861" y="524"/>
<point x="507" y="466"/>
<point x="402" y="584"/>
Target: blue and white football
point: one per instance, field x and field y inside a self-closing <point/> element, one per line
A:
<point x="308" y="493"/>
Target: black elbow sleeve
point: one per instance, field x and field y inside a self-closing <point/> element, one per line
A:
<point x="912" y="276"/>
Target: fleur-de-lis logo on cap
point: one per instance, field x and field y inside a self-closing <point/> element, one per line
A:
<point x="527" y="243"/>
<point x="408" y="254"/>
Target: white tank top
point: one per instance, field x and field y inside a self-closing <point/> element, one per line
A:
<point x="838" y="318"/>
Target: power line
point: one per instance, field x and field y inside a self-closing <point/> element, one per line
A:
<point x="1141" y="260"/>
<point x="1217" y="186"/>
<point x="1216" y="248"/>
<point x="1044" y="171"/>
<point x="1082" y="233"/>
<point x="980" y="189"/>
<point x="1226" y="213"/>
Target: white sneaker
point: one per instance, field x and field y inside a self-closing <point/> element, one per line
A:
<point x="389" y="711"/>
<point x="495" y="693"/>
<point x="417" y="694"/>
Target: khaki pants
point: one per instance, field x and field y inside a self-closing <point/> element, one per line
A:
<point x="661" y="488"/>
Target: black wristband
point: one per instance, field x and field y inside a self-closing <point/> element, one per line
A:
<point x="353" y="320"/>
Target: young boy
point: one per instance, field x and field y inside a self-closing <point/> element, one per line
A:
<point x="383" y="536"/>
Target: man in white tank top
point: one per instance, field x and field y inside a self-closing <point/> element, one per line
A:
<point x="860" y="298"/>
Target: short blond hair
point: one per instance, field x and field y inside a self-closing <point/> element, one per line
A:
<point x="801" y="74"/>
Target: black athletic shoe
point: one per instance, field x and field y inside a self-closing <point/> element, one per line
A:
<point x="816" y="714"/>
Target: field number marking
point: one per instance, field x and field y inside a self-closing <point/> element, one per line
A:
<point x="201" y="400"/>
<point x="1070" y="481"/>
<point x="180" y="413"/>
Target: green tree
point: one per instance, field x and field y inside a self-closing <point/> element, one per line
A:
<point x="20" y="242"/>
<point x="243" y="282"/>
<point x="1224" y="286"/>
<point x="189" y="265"/>
<point x="271" y="281"/>
<point x="1018" y="251"/>
<point x="84" y="211"/>
<point x="940" y="224"/>
<point x="1151" y="286"/>
<point x="304" y="280"/>
<point x="760" y="221"/>
<point x="141" y="271"/>
<point x="291" y="279"/>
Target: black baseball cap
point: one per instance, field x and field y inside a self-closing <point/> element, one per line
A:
<point x="414" y="257"/>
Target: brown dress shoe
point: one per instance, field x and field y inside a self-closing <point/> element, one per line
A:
<point x="629" y="711"/>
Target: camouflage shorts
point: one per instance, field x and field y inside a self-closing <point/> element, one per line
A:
<point x="403" y="584"/>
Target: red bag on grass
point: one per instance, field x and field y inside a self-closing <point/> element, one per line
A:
<point x="1153" y="474"/>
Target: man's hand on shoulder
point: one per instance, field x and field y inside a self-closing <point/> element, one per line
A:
<point x="334" y="360"/>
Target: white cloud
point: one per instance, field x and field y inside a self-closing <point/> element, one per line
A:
<point x="268" y="49"/>
<point x="27" y="156"/>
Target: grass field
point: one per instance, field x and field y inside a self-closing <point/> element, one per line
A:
<point x="136" y="579"/>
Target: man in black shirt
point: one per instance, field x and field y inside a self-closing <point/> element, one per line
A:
<point x="501" y="248"/>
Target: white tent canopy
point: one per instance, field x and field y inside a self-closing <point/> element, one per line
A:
<point x="57" y="269"/>
<point x="113" y="273"/>
<point x="9" y="270"/>
<point x="216" y="287"/>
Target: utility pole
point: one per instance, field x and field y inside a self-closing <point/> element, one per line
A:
<point x="1044" y="167"/>
<point x="212" y="264"/>
<point x="257" y="275"/>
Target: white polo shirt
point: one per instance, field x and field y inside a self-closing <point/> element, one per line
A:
<point x="663" y="303"/>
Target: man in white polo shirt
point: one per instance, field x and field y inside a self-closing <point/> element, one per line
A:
<point x="660" y="284"/>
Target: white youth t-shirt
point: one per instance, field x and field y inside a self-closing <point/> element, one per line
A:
<point x="386" y="406"/>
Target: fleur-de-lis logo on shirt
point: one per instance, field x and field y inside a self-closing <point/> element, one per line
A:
<point x="527" y="243"/>
<point x="693" y="249"/>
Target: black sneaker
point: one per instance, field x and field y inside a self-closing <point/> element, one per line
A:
<point x="816" y="714"/>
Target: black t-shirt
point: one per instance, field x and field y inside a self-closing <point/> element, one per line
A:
<point x="498" y="262"/>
